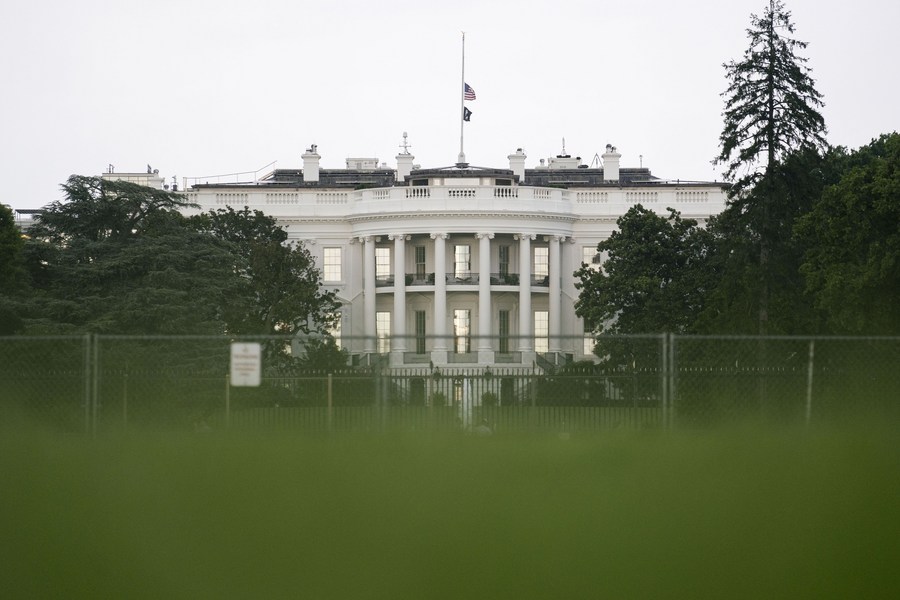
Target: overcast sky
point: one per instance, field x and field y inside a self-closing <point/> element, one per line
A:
<point x="206" y="87"/>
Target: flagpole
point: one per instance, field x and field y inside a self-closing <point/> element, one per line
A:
<point x="462" y="102"/>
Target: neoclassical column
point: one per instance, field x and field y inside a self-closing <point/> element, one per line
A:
<point x="555" y="316"/>
<point x="440" y="297"/>
<point x="398" y="321"/>
<point x="526" y="319"/>
<point x="368" y="292"/>
<point x="484" y="346"/>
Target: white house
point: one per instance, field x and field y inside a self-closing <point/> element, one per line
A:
<point x="461" y="266"/>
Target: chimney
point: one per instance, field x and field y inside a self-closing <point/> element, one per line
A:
<point x="517" y="164"/>
<point x="611" y="163"/>
<point x="311" y="165"/>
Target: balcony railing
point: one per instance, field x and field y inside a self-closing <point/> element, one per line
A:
<point x="504" y="279"/>
<point x="463" y="278"/>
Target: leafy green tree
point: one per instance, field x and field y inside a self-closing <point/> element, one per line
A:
<point x="116" y="257"/>
<point x="851" y="237"/>
<point x="12" y="272"/>
<point x="653" y="280"/>
<point x="281" y="285"/>
<point x="323" y="354"/>
<point x="771" y="111"/>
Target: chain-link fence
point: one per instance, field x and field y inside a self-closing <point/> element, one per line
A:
<point x="106" y="383"/>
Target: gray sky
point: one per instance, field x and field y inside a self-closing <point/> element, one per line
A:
<point x="205" y="87"/>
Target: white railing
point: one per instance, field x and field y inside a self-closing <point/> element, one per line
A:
<point x="463" y="199"/>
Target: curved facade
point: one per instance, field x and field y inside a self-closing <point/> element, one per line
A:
<point x="460" y="265"/>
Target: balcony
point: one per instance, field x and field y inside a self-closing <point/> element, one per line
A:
<point x="462" y="278"/>
<point x="505" y="278"/>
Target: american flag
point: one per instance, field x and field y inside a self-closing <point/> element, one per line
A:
<point x="468" y="92"/>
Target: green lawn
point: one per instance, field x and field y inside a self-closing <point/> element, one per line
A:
<point x="736" y="513"/>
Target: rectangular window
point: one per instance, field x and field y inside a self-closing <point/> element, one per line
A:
<point x="335" y="330"/>
<point x="541" y="265"/>
<point x="420" y="263"/>
<point x="383" y="331"/>
<point x="462" y="264"/>
<point x="461" y="331"/>
<point x="383" y="270"/>
<point x="504" y="261"/>
<point x="331" y="263"/>
<point x="420" y="332"/>
<point x="541" y="331"/>
<point x="589" y="341"/>
<point x="590" y="257"/>
<point x="503" y="331"/>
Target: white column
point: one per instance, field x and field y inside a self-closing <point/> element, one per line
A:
<point x="484" y="344"/>
<point x="554" y="301"/>
<point x="439" y="353"/>
<point x="398" y="319"/>
<point x="368" y="292"/>
<point x="526" y="319"/>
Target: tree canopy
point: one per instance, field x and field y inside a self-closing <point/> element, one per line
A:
<point x="851" y="237"/>
<point x="653" y="280"/>
<point x="12" y="272"/>
<point x="280" y="283"/>
<point x="116" y="257"/>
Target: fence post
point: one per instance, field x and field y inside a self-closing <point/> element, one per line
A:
<point x="227" y="400"/>
<point x="95" y="384"/>
<point x="809" y="380"/>
<point x="673" y="388"/>
<point x="664" y="372"/>
<point x="125" y="400"/>
<point x="88" y="398"/>
<point x="330" y="402"/>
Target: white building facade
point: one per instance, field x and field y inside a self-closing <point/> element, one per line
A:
<point x="458" y="266"/>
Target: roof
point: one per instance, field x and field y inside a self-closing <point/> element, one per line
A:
<point x="586" y="177"/>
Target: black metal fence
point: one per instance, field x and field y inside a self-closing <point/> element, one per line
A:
<point x="107" y="383"/>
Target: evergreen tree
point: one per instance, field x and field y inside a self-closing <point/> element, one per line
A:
<point x="771" y="111"/>
<point x="116" y="257"/>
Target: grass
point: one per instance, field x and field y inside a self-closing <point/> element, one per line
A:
<point x="736" y="513"/>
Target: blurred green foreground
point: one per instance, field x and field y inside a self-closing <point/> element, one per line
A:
<point x="791" y="513"/>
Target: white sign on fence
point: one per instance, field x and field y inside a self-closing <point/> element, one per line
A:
<point x="246" y="365"/>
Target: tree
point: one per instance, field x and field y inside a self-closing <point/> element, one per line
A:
<point x="323" y="354"/>
<point x="281" y="290"/>
<point x="770" y="111"/>
<point x="851" y="264"/>
<point x="12" y="271"/>
<point x="732" y="306"/>
<point x="653" y="280"/>
<point x="116" y="257"/>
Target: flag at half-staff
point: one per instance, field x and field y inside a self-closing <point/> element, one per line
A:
<point x="468" y="94"/>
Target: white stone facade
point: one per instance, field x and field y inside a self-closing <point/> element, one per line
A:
<point x="461" y="266"/>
